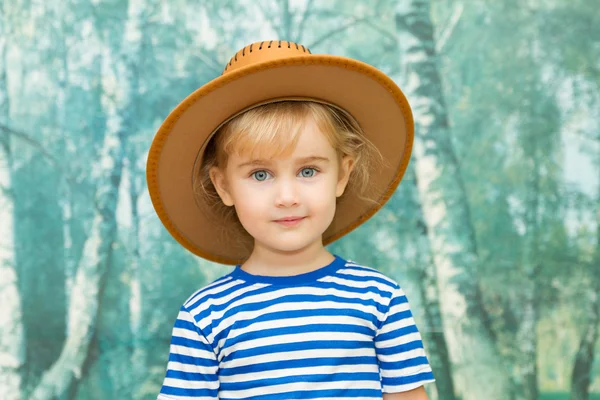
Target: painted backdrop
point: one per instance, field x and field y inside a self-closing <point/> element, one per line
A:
<point x="494" y="234"/>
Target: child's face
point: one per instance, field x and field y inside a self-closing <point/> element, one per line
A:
<point x="286" y="203"/>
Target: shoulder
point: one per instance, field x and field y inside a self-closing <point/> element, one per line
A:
<point x="219" y="288"/>
<point x="353" y="271"/>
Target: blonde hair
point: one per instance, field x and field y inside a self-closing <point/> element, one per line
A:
<point x="272" y="130"/>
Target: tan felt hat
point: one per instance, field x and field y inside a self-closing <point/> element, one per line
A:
<point x="262" y="73"/>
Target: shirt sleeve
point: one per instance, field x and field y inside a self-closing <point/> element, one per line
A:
<point x="403" y="364"/>
<point x="192" y="368"/>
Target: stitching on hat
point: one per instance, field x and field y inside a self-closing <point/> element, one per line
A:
<point x="279" y="46"/>
<point x="260" y="47"/>
<point x="243" y="52"/>
<point x="251" y="48"/>
<point x="167" y="126"/>
<point x="271" y="42"/>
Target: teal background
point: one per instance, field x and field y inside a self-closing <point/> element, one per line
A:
<point x="493" y="233"/>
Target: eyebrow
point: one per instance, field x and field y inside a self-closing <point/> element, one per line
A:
<point x="254" y="163"/>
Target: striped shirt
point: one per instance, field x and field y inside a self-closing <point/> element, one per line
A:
<point x="343" y="331"/>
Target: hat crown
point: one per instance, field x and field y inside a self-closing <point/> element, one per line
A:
<point x="265" y="51"/>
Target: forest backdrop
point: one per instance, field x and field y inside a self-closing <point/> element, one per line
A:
<point x="494" y="233"/>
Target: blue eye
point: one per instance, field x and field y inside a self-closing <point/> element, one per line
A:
<point x="261" y="175"/>
<point x="308" y="172"/>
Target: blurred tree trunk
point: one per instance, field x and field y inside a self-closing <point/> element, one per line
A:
<point x="527" y="387"/>
<point x="39" y="231"/>
<point x="429" y="291"/>
<point x="446" y="212"/>
<point x="12" y="347"/>
<point x="139" y="358"/>
<point x="416" y="238"/>
<point x="89" y="280"/>
<point x="581" y="376"/>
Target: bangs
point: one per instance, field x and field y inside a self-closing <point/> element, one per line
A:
<point x="268" y="131"/>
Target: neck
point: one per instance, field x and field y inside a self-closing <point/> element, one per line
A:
<point x="273" y="262"/>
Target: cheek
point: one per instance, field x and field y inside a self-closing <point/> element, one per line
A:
<point x="322" y="197"/>
<point x="249" y="204"/>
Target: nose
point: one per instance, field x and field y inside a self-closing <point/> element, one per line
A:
<point x="286" y="193"/>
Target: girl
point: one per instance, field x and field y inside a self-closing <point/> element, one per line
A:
<point x="261" y="168"/>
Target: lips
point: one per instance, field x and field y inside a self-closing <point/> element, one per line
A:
<point x="289" y="221"/>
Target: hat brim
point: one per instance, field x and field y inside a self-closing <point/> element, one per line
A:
<point x="370" y="96"/>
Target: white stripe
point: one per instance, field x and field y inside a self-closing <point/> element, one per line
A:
<point x="408" y="371"/>
<point x="165" y="397"/>
<point x="186" y="316"/>
<point x="259" y="298"/>
<point x="299" y="386"/>
<point x="291" y="322"/>
<point x="250" y="315"/>
<point x="188" y="334"/>
<point x="368" y="273"/>
<point x="186" y="384"/>
<point x="320" y="370"/>
<point x="402" y="356"/>
<point x="298" y="355"/>
<point x="205" y="288"/>
<point x="198" y="369"/>
<point x="190" y="351"/>
<point x="214" y="290"/>
<point x="403" y="323"/>
<point x="284" y="306"/>
<point x="411" y="337"/>
<point x="357" y="284"/>
<point x="294" y="338"/>
<point x="225" y="299"/>
<point x="407" y="387"/>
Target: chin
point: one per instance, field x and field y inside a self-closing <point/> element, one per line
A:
<point x="289" y="246"/>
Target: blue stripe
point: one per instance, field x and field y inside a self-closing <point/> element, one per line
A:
<point x="217" y="283"/>
<point x="192" y="376"/>
<point x="366" y="278"/>
<point x="407" y="330"/>
<point x="216" y="296"/>
<point x="314" y="378"/>
<point x="302" y="363"/>
<point x="411" y="362"/>
<point x="399" y="316"/>
<point x="314" y="394"/>
<point x="309" y="328"/>
<point x="403" y="380"/>
<point x="416" y="344"/>
<point x="203" y="362"/>
<point x="283" y="298"/>
<point x="193" y="344"/>
<point x="287" y="347"/>
<point x="180" y="323"/>
<point x="279" y="315"/>
<point x="189" y="392"/>
<point x="295" y="299"/>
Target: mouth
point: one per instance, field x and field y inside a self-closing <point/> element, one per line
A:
<point x="290" y="221"/>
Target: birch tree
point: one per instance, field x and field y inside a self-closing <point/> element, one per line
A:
<point x="446" y="212"/>
<point x="12" y="347"/>
<point x="582" y="375"/>
<point x="412" y="233"/>
<point x="89" y="278"/>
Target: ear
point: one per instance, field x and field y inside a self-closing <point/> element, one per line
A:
<point x="218" y="180"/>
<point x="346" y="167"/>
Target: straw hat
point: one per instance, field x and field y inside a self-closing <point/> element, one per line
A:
<point x="261" y="73"/>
